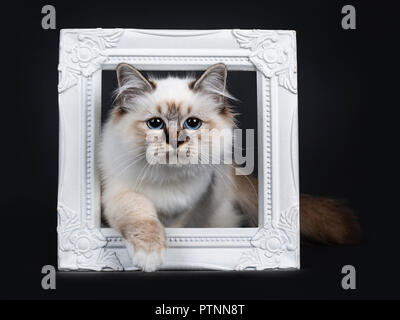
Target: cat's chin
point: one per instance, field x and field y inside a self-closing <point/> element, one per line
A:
<point x="177" y="171"/>
<point x="184" y="166"/>
<point x="174" y="165"/>
<point x="179" y="165"/>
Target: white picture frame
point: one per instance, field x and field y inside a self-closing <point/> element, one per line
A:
<point x="84" y="53"/>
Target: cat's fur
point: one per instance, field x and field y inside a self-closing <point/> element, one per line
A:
<point x="140" y="198"/>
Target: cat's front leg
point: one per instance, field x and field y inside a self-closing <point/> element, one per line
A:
<point x="135" y="217"/>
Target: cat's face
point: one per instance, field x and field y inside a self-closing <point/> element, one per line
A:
<point x="174" y="121"/>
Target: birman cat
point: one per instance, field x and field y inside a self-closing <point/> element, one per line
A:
<point x="151" y="177"/>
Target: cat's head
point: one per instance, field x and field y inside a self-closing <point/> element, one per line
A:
<point x="174" y="120"/>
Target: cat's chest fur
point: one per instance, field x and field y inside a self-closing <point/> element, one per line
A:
<point x="173" y="198"/>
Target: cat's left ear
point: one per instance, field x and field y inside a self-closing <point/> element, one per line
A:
<point x="212" y="80"/>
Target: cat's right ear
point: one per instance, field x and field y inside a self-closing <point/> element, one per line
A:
<point x="132" y="82"/>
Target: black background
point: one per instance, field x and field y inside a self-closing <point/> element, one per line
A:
<point x="348" y="146"/>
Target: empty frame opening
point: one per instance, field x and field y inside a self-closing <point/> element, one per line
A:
<point x="232" y="195"/>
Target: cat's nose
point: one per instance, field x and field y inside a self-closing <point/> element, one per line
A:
<point x="177" y="139"/>
<point x="175" y="142"/>
<point x="175" y="135"/>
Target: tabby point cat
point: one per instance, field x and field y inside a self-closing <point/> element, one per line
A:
<point x="164" y="119"/>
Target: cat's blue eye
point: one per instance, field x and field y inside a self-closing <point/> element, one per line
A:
<point x="155" y="123"/>
<point x="193" y="123"/>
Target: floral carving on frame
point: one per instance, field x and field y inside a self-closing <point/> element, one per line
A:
<point x="271" y="241"/>
<point x="270" y="56"/>
<point x="82" y="247"/>
<point x="81" y="54"/>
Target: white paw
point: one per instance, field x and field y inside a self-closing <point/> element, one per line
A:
<point x="148" y="261"/>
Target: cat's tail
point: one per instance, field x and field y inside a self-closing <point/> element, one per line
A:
<point x="322" y="219"/>
<point x="328" y="221"/>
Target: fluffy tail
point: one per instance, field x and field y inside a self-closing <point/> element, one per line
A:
<point x="327" y="221"/>
<point x="322" y="220"/>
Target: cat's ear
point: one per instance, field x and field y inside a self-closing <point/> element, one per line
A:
<point x="212" y="80"/>
<point x="131" y="82"/>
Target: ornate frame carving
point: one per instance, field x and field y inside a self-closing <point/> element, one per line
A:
<point x="84" y="53"/>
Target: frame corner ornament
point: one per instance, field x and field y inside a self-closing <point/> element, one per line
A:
<point x="272" y="54"/>
<point x="82" y="247"/>
<point x="82" y="52"/>
<point x="271" y="242"/>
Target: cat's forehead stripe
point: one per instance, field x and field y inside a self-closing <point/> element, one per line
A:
<point x="173" y="106"/>
<point x="176" y="107"/>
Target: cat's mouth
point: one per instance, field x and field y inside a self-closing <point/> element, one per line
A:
<point x="171" y="156"/>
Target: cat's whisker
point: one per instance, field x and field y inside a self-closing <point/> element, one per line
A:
<point x="124" y="159"/>
<point x="141" y="175"/>
<point x="218" y="170"/>
<point x="248" y="179"/>
<point x="128" y="165"/>
<point x="227" y="176"/>
<point x="128" y="152"/>
<point x="121" y="164"/>
<point x="137" y="160"/>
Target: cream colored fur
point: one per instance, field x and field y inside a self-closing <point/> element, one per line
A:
<point x="140" y="198"/>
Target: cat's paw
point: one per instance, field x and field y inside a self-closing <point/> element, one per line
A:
<point x="146" y="243"/>
<point x="148" y="261"/>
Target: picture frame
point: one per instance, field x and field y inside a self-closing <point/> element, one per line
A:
<point x="84" y="53"/>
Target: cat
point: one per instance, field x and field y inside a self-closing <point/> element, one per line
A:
<point x="164" y="119"/>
